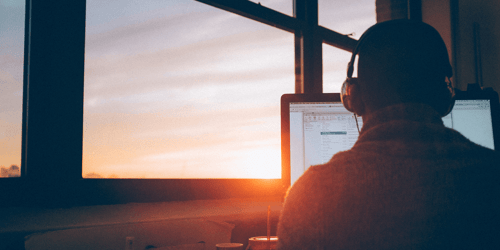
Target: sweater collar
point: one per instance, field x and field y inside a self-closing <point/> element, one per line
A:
<point x="417" y="112"/>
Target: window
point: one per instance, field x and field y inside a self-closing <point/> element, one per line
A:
<point x="53" y="119"/>
<point x="346" y="17"/>
<point x="283" y="6"/>
<point x="11" y="86"/>
<point x="182" y="90"/>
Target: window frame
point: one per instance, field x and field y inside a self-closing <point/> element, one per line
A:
<point x="53" y="94"/>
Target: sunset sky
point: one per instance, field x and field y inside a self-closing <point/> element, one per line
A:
<point x="11" y="80"/>
<point x="180" y="89"/>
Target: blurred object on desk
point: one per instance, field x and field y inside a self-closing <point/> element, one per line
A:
<point x="229" y="246"/>
<point x="261" y="243"/>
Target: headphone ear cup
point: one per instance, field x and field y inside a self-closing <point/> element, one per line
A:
<point x="446" y="100"/>
<point x="345" y="93"/>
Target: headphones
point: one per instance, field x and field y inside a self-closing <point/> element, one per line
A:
<point x="443" y="106"/>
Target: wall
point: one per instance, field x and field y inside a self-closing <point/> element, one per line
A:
<point x="437" y="13"/>
<point x="455" y="20"/>
<point x="485" y="13"/>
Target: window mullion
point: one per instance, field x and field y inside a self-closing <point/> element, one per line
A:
<point x="309" y="42"/>
<point x="53" y="99"/>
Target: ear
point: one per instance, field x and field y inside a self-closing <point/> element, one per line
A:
<point x="444" y="99"/>
<point x="356" y="100"/>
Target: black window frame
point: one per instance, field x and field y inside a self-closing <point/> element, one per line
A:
<point x="53" y="94"/>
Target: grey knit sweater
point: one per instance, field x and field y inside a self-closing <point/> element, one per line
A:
<point x="407" y="183"/>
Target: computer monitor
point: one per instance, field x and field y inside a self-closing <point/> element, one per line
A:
<point x="314" y="128"/>
<point x="473" y="119"/>
<point x="317" y="126"/>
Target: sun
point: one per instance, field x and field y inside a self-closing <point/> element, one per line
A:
<point x="262" y="163"/>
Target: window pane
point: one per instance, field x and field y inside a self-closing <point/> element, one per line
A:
<point x="11" y="85"/>
<point x="178" y="89"/>
<point x="283" y="6"/>
<point x="334" y="68"/>
<point x="345" y="17"/>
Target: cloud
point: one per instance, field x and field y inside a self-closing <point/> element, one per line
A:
<point x="283" y="6"/>
<point x="188" y="95"/>
<point x="12" y="28"/>
<point x="219" y="96"/>
<point x="269" y="48"/>
<point x="186" y="126"/>
<point x="178" y="144"/>
<point x="236" y="62"/>
<point x="210" y="46"/>
<point x="12" y="3"/>
<point x="237" y="159"/>
<point x="11" y="99"/>
<point x="151" y="33"/>
<point x="340" y="15"/>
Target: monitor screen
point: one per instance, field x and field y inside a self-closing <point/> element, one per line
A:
<point x="317" y="126"/>
<point x="472" y="118"/>
<point x="318" y="130"/>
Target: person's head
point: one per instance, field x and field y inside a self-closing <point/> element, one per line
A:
<point x="401" y="61"/>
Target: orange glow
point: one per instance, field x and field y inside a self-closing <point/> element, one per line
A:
<point x="185" y="92"/>
<point x="203" y="113"/>
<point x="10" y="148"/>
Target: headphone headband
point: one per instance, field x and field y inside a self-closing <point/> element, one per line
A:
<point x="374" y="28"/>
<point x="444" y="105"/>
<point x="350" y="65"/>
